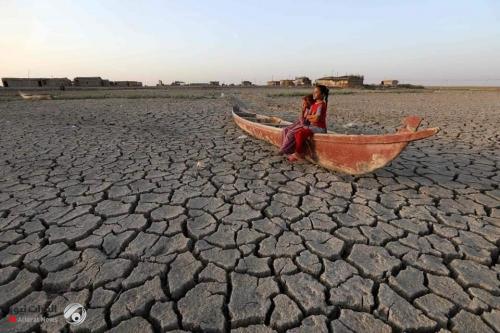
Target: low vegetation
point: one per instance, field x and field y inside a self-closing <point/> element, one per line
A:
<point x="302" y="93"/>
<point x="399" y="86"/>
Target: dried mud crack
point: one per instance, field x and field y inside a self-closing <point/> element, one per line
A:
<point x="156" y="216"/>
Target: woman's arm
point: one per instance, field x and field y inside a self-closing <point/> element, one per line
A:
<point x="315" y="117"/>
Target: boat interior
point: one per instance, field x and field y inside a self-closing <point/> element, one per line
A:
<point x="260" y="119"/>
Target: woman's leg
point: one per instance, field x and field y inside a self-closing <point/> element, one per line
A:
<point x="289" y="147"/>
<point x="300" y="140"/>
<point x="288" y="138"/>
<point x="301" y="135"/>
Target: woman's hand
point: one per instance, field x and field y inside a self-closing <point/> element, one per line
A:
<point x="312" y="118"/>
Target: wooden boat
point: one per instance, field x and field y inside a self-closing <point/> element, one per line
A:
<point x="34" y="97"/>
<point x="351" y="154"/>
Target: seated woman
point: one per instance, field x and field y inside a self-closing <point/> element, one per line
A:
<point x="288" y="134"/>
<point x="315" y="122"/>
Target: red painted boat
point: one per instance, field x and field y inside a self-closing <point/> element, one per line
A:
<point x="351" y="154"/>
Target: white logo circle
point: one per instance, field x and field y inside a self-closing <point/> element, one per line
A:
<point x="75" y="314"/>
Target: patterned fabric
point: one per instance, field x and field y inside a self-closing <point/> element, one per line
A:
<point x="301" y="135"/>
<point x="288" y="137"/>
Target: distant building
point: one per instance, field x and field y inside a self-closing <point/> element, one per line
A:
<point x="11" y="82"/>
<point x="302" y="81"/>
<point x="346" y="81"/>
<point x="56" y="82"/>
<point x="214" y="83"/>
<point x="127" y="83"/>
<point x="178" y="83"/>
<point x="120" y="83"/>
<point x="94" y="81"/>
<point x="198" y="84"/>
<point x="246" y="83"/>
<point x="389" y="83"/>
<point x="36" y="82"/>
<point x="287" y="83"/>
<point x="273" y="83"/>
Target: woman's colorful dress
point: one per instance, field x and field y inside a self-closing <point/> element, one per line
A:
<point x="288" y="137"/>
<point x="304" y="132"/>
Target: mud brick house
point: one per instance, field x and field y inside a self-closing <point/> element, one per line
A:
<point x="35" y="82"/>
<point x="302" y="81"/>
<point x="11" y="82"/>
<point x="389" y="83"/>
<point x="287" y="83"/>
<point x="94" y="81"/>
<point x="127" y="83"/>
<point x="199" y="84"/>
<point x="346" y="81"/>
<point x="56" y="82"/>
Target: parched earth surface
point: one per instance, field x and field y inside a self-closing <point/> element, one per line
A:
<point x="158" y="215"/>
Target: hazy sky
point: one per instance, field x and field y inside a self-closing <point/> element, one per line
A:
<point x="422" y="41"/>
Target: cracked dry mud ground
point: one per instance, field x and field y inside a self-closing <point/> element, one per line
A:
<point x="155" y="216"/>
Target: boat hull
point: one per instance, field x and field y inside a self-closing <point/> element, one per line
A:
<point x="351" y="154"/>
